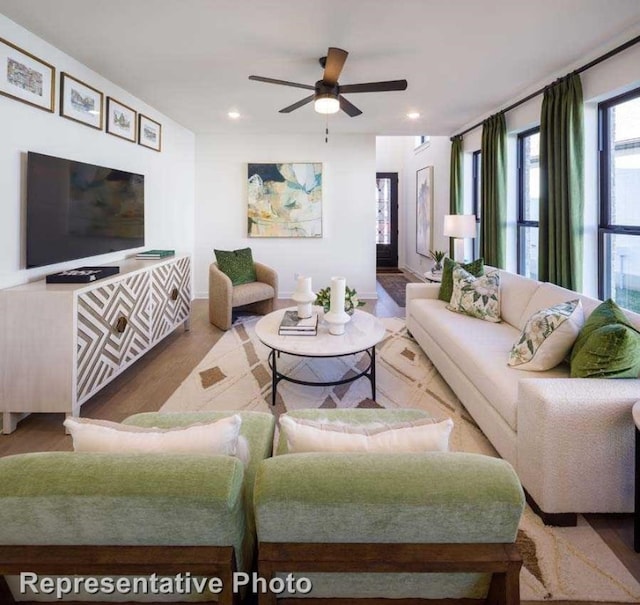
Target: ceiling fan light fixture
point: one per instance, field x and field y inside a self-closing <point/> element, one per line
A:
<point x="326" y="103"/>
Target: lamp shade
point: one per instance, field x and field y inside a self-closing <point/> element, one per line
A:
<point x="460" y="225"/>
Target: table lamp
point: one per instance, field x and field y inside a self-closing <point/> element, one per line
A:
<point x="460" y="227"/>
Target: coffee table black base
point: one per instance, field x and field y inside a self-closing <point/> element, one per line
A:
<point x="369" y="372"/>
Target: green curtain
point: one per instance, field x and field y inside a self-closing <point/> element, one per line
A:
<point x="493" y="219"/>
<point x="455" y="182"/>
<point x="560" y="233"/>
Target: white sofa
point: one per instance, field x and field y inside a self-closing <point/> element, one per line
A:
<point x="571" y="440"/>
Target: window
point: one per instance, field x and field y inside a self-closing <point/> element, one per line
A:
<point x="421" y="142"/>
<point x="619" y="233"/>
<point x="476" y="195"/>
<point x="528" y="201"/>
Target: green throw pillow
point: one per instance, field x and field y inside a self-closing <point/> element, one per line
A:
<point x="611" y="351"/>
<point x="237" y="265"/>
<point x="476" y="268"/>
<point x="608" y="346"/>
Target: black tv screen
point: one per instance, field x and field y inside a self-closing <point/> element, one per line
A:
<point x="76" y="210"/>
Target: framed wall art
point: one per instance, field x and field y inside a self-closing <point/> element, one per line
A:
<point x="285" y="200"/>
<point x="26" y="78"/>
<point x="149" y="133"/>
<point x="80" y="102"/>
<point x="121" y="120"/>
<point x="424" y="210"/>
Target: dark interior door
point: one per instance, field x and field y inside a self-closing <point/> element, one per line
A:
<point x="387" y="219"/>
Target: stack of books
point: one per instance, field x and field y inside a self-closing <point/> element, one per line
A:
<point x="292" y="325"/>
<point x="155" y="254"/>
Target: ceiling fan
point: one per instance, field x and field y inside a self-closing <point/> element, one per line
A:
<point x="327" y="95"/>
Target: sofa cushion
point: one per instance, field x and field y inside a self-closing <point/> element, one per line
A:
<point x="237" y="265"/>
<point x="245" y="294"/>
<point x="475" y="267"/>
<point x="476" y="296"/>
<point x="480" y="349"/>
<point x="515" y="293"/>
<point x="548" y="336"/>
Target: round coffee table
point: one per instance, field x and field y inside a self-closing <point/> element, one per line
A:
<point x="361" y="335"/>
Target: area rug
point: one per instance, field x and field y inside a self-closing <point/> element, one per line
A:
<point x="560" y="564"/>
<point x="395" y="285"/>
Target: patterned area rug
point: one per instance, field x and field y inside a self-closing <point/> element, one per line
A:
<point x="395" y="285"/>
<point x="560" y="564"/>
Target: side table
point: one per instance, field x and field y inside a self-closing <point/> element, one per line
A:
<point x="636" y="517"/>
<point x="435" y="278"/>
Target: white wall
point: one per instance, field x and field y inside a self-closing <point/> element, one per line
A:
<point x="347" y="246"/>
<point x="169" y="175"/>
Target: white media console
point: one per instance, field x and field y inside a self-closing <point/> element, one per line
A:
<point x="61" y="343"/>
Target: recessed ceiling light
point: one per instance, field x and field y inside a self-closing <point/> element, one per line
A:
<point x="234" y="115"/>
<point x="413" y="115"/>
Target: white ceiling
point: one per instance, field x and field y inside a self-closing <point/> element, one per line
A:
<point x="190" y="59"/>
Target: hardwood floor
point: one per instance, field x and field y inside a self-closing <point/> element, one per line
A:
<point x="151" y="380"/>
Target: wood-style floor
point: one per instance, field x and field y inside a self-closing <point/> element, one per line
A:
<point x="152" y="379"/>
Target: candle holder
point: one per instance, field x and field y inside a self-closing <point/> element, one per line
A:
<point x="304" y="296"/>
<point x="337" y="317"/>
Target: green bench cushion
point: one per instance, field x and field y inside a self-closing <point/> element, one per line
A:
<point x="137" y="499"/>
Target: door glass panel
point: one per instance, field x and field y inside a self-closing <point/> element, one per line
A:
<point x="383" y="221"/>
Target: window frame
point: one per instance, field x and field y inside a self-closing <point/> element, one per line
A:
<point x="476" y="202"/>
<point x="521" y="222"/>
<point x="605" y="227"/>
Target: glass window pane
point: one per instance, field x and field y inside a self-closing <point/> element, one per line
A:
<point x="383" y="203"/>
<point x="529" y="252"/>
<point x="531" y="176"/>
<point x="622" y="255"/>
<point x="624" y="147"/>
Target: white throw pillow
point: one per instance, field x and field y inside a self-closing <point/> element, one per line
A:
<point x="219" y="437"/>
<point x="419" y="436"/>
<point x="547" y="337"/>
<point x="476" y="296"/>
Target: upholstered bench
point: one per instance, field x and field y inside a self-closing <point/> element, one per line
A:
<point x="88" y="514"/>
<point x="407" y="525"/>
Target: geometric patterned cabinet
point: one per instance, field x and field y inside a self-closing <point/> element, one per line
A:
<point x="61" y="343"/>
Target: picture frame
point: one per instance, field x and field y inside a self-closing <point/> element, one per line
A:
<point x="424" y="210"/>
<point x="26" y="78"/>
<point x="121" y="120"/>
<point x="80" y="102"/>
<point x="149" y="133"/>
<point x="284" y="199"/>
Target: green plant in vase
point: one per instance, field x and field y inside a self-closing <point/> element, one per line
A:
<point x="437" y="256"/>
<point x="351" y="300"/>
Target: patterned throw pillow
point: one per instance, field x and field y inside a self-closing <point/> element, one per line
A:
<point x="475" y="267"/>
<point x="237" y="265"/>
<point x="476" y="296"/>
<point x="547" y="337"/>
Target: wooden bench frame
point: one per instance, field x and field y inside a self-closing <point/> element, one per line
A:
<point x="502" y="560"/>
<point x="208" y="561"/>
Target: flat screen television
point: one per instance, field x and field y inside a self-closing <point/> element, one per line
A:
<point x="76" y="210"/>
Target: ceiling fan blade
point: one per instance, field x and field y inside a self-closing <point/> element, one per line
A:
<point x="375" y="86"/>
<point x="298" y="104"/>
<point x="334" y="64"/>
<point x="283" y="82"/>
<point x="348" y="108"/>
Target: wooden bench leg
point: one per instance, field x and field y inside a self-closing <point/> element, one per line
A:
<point x="505" y="587"/>
<point x="6" y="597"/>
<point x="267" y="572"/>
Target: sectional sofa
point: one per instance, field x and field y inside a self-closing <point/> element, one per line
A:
<point x="571" y="440"/>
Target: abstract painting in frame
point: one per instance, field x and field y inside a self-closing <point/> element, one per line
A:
<point x="285" y="200"/>
<point x="80" y="102"/>
<point x="26" y="78"/>
<point x="149" y="133"/>
<point x="121" y="120"/>
<point x="424" y="210"/>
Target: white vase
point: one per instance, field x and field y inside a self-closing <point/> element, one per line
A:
<point x="337" y="317"/>
<point x="304" y="296"/>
